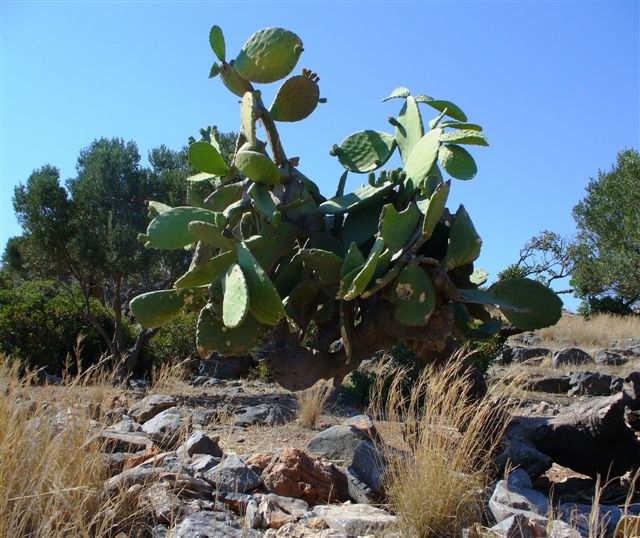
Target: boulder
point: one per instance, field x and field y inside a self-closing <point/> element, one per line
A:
<point x="337" y="442"/>
<point x="368" y="465"/>
<point x="525" y="456"/>
<point x="233" y="475"/>
<point x="607" y="357"/>
<point x="116" y="441"/>
<point x="201" y="463"/>
<point x="165" y="427"/>
<point x="356" y="519"/>
<point x="593" y="384"/>
<point x="578" y="515"/>
<point x="551" y="384"/>
<point x="518" y="354"/>
<point x="295" y="474"/>
<point x="149" y="407"/>
<point x="509" y="499"/>
<point x="200" y="443"/>
<point x="208" y="524"/>
<point x="162" y="503"/>
<point x="272" y="414"/>
<point x="276" y="511"/>
<point x="570" y="356"/>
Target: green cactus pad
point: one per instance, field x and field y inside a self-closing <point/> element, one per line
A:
<point x="264" y="302"/>
<point x="248" y="115"/>
<point x="361" y="225"/>
<point x="366" y="151"/>
<point x="215" y="70"/>
<point x="206" y="158"/>
<point x="272" y="244"/>
<point x="414" y="296"/>
<point x="263" y="201"/>
<point x="464" y="241"/>
<point x="233" y="81"/>
<point x="156" y="308"/>
<point x="210" y="235"/>
<point x="362" y="278"/>
<point x="453" y="111"/>
<point x="479" y="277"/>
<point x="396" y="228"/>
<point x="223" y="196"/>
<point x="409" y="129"/>
<point x="235" y="305"/>
<point x="212" y="335"/>
<point x="296" y="99"/>
<point x="422" y="158"/>
<point x="457" y="161"/>
<point x="247" y="225"/>
<point x="357" y="200"/>
<point x="155" y="208"/>
<point x="216" y="40"/>
<point x="269" y="55"/>
<point x="465" y="136"/>
<point x="258" y="167"/>
<point x="207" y="272"/>
<point x="432" y="208"/>
<point x="352" y="261"/>
<point x="170" y="229"/>
<point x="461" y="125"/>
<point x="194" y="298"/>
<point x="325" y="265"/>
<point x="301" y="300"/>
<point x="399" y="93"/>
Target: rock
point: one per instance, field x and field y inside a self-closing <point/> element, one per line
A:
<point x="356" y="519"/>
<point x="629" y="346"/>
<point x="524" y="456"/>
<point x="570" y="356"/>
<point x="337" y="442"/>
<point x="550" y="384"/>
<point x="275" y="510"/>
<point x="114" y="441"/>
<point x="149" y="407"/>
<point x="126" y="425"/>
<point x="203" y="462"/>
<point x="165" y="427"/>
<point x="116" y="461"/>
<point x="252" y="517"/>
<point x="509" y="499"/>
<point x="200" y="443"/>
<point x="159" y="531"/>
<point x="608" y="357"/>
<point x="225" y="367"/>
<point x="593" y="384"/>
<point x="233" y="475"/>
<point x="368" y="465"/>
<point x="299" y="530"/>
<point x="205" y="381"/>
<point x="521" y="526"/>
<point x="259" y="462"/>
<point x="295" y="474"/>
<point x="519" y="354"/>
<point x="162" y="503"/>
<point x="265" y="414"/>
<point x="131" y="477"/>
<point x="518" y="478"/>
<point x="207" y="524"/>
<point x="577" y="515"/>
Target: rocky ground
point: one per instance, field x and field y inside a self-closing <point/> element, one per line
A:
<point x="227" y="457"/>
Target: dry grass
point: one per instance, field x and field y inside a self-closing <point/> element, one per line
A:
<point x="311" y="403"/>
<point x="595" y="332"/>
<point x="436" y="484"/>
<point x="50" y="477"/>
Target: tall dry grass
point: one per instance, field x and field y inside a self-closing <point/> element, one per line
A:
<point x="436" y="478"/>
<point x="311" y="403"/>
<point x="596" y="332"/>
<point x="51" y="477"/>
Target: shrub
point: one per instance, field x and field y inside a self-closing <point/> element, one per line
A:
<point x="174" y="341"/>
<point x="40" y="321"/>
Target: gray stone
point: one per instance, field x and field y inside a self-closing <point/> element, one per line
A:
<point x="337" y="442"/>
<point x="578" y="516"/>
<point x="521" y="526"/>
<point x="126" y="425"/>
<point x="203" y="462"/>
<point x="131" y="477"/>
<point x="159" y="531"/>
<point x="524" y="456"/>
<point x="165" y="427"/>
<point x="368" y="465"/>
<point x="207" y="524"/>
<point x="607" y="357"/>
<point x="551" y="384"/>
<point x="631" y="346"/>
<point x="200" y="443"/>
<point x="114" y="441"/>
<point x="276" y="510"/>
<point x="252" y="516"/>
<point x="225" y="367"/>
<point x="570" y="356"/>
<point x="518" y="478"/>
<point x="511" y="500"/>
<point x="593" y="384"/>
<point x="162" y="503"/>
<point x="149" y="407"/>
<point x="233" y="475"/>
<point x="519" y="354"/>
<point x="265" y="414"/>
<point x="355" y="519"/>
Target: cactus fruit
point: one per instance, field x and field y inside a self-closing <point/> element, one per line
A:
<point x="365" y="151"/>
<point x="296" y="99"/>
<point x="269" y="55"/>
<point x="330" y="280"/>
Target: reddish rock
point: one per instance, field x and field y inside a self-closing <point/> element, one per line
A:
<point x="295" y="474"/>
<point x="260" y="460"/>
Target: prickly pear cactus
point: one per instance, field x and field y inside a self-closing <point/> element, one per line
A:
<point x="274" y="260"/>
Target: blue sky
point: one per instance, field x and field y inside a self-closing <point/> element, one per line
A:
<point x="554" y="84"/>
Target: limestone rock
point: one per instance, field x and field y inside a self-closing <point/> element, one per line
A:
<point x="165" y="427"/>
<point x="200" y="443"/>
<point x="233" y="475"/>
<point x="509" y="499"/>
<point x="272" y="414"/>
<point x="275" y="510"/>
<point x="569" y="356"/>
<point x="149" y="407"/>
<point x="356" y="519"/>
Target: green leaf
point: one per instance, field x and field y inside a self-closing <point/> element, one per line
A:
<point x="326" y="265"/>
<point x="465" y="136"/>
<point x="361" y="225"/>
<point x="366" y="151"/>
<point x="457" y="161"/>
<point x="353" y="260"/>
<point x="223" y="196"/>
<point x="216" y="40"/>
<point x="235" y="305"/>
<point x="156" y="308"/>
<point x="398" y="93"/>
<point x="212" y="335"/>
<point x="453" y="111"/>
<point x="205" y="157"/>
<point x="258" y="167"/>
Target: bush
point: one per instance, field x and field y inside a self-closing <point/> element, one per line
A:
<point x="604" y="305"/>
<point x="40" y="321"/>
<point x="175" y="340"/>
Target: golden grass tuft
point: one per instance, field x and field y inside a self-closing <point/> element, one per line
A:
<point x="436" y="481"/>
<point x="50" y="478"/>
<point x="311" y="403"/>
<point x="596" y="332"/>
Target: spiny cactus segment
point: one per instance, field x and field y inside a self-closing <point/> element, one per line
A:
<point x="271" y="251"/>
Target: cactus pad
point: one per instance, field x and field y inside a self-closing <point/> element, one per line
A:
<point x="263" y="201"/>
<point x="269" y="55"/>
<point x="409" y="129"/>
<point x="357" y="200"/>
<point x="235" y="305"/>
<point x="223" y="196"/>
<point x="210" y="235"/>
<point x="365" y="151"/>
<point x="457" y="161"/>
<point x="464" y="241"/>
<point x="433" y="208"/>
<point x="399" y="93"/>
<point x="423" y="157"/>
<point x="206" y="272"/>
<point x="216" y="40"/>
<point x="465" y="136"/>
<point x="396" y="228"/>
<point x="324" y="264"/>
<point x="478" y="277"/>
<point x="360" y="226"/>
<point x="355" y="282"/>
<point x="206" y="158"/>
<point x="212" y="335"/>
<point x="258" y="167"/>
<point x="414" y="296"/>
<point x="170" y="229"/>
<point x="233" y="81"/>
<point x="453" y="111"/>
<point x="296" y="99"/>
<point x="156" y="308"/>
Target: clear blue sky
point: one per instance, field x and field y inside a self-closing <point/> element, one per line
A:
<point x="555" y="85"/>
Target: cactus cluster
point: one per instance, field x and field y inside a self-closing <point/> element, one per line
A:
<point x="270" y="250"/>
